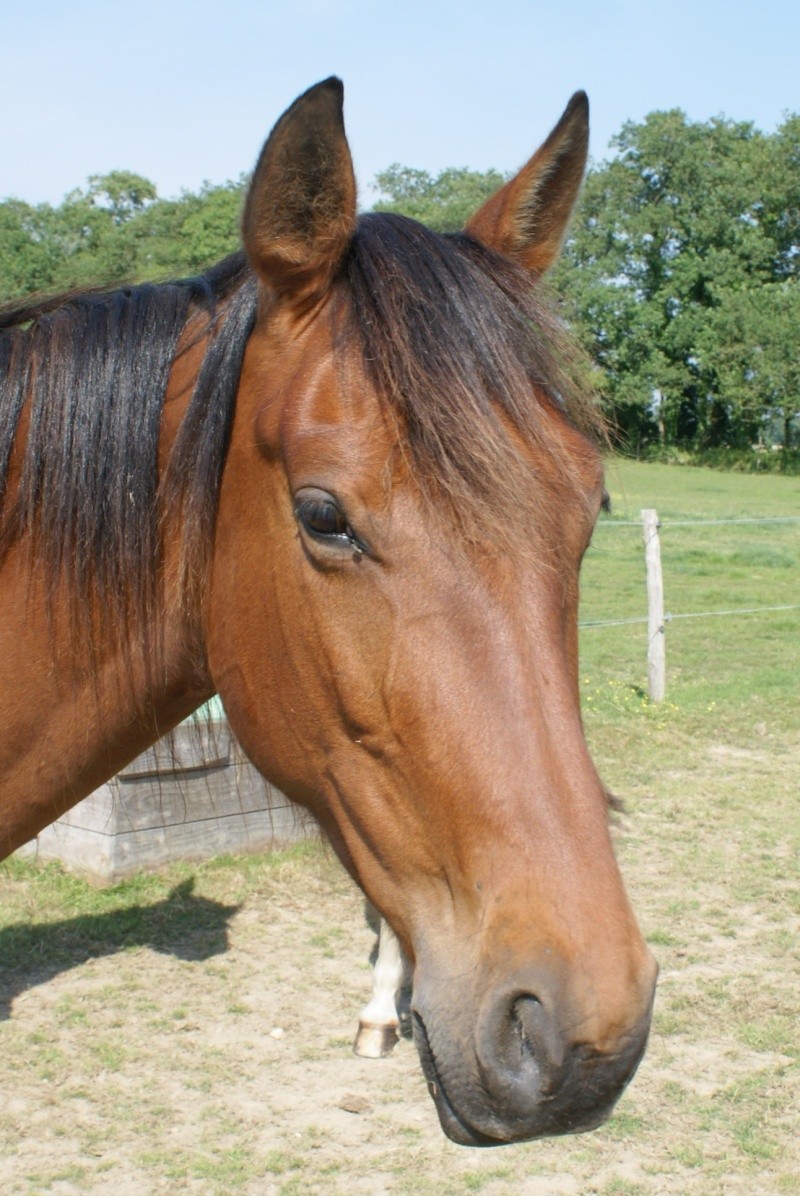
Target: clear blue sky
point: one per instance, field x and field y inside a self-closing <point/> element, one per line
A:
<point x="186" y="90"/>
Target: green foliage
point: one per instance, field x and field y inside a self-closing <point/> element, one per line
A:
<point x="28" y="255"/>
<point x="752" y="339"/>
<point x="755" y="459"/>
<point x="116" y="230"/>
<point x="125" y="193"/>
<point x="680" y="277"/>
<point x="444" y="203"/>
<point x="211" y="230"/>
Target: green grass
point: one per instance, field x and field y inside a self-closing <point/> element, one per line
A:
<point x="733" y="673"/>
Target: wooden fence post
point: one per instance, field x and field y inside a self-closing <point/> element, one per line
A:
<point x="656" y="655"/>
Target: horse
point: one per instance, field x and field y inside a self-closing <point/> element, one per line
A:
<point x="345" y="479"/>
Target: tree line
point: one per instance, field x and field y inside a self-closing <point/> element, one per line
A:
<point x="680" y="275"/>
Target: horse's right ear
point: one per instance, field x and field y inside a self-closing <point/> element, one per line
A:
<point x="300" y="212"/>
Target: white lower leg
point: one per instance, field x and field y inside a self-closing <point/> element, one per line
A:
<point x="378" y="1027"/>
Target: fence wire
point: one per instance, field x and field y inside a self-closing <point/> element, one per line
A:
<point x="695" y="614"/>
<point x="697" y="522"/>
<point x="700" y="614"/>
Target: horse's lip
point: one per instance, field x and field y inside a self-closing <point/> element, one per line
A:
<point x="453" y="1124"/>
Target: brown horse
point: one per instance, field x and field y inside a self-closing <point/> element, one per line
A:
<point x="346" y="480"/>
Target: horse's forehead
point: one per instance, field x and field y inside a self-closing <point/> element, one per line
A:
<point x="317" y="411"/>
<point x="330" y="400"/>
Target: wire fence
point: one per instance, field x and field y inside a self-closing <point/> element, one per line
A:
<point x="670" y="617"/>
<point x="694" y="614"/>
<point x="699" y="522"/>
<point x="657" y="617"/>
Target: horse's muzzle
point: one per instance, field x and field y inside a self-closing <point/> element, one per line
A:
<point x="523" y="1075"/>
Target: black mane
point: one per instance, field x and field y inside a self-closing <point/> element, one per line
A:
<point x="93" y="368"/>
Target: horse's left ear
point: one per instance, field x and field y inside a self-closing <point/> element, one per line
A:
<point x="300" y="213"/>
<point x="527" y="218"/>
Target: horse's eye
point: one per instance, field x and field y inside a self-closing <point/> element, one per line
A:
<point x="322" y="517"/>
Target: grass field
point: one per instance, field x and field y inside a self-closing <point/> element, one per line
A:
<point x="141" y="1053"/>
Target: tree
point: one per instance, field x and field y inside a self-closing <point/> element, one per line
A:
<point x="210" y="230"/>
<point x="685" y="217"/>
<point x="115" y="230"/>
<point x="755" y="353"/>
<point x="444" y="203"/>
<point x="125" y="194"/>
<point x="28" y="256"/>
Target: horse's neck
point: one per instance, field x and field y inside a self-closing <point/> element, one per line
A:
<point x="68" y="724"/>
<point x="74" y="709"/>
<point x="70" y="715"/>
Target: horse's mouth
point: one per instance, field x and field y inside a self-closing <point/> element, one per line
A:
<point x="453" y="1124"/>
<point x="548" y="1117"/>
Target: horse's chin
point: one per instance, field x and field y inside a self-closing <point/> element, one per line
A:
<point x="462" y="1134"/>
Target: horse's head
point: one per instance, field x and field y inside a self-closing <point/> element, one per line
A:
<point x="393" y="615"/>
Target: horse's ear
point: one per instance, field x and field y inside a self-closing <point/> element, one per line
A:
<point x="527" y="218"/>
<point x="300" y="212"/>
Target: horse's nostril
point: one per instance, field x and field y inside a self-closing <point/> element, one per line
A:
<point x="537" y="1034"/>
<point x="523" y="1019"/>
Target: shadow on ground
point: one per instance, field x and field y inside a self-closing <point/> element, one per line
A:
<point x="183" y="924"/>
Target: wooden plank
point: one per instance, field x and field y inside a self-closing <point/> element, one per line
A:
<point x="172" y="799"/>
<point x="208" y="799"/>
<point x="89" y="852"/>
<point x="194" y="744"/>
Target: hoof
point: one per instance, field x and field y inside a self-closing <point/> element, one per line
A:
<point x="375" y="1042"/>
